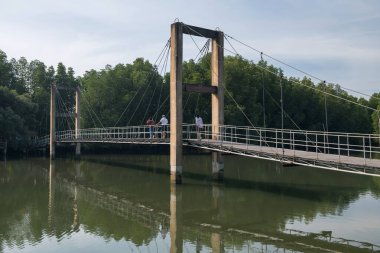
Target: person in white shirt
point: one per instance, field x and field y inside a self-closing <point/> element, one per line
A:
<point x="198" y="126"/>
<point x="164" y="126"/>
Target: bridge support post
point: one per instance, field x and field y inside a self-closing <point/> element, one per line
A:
<point x="52" y="121"/>
<point x="176" y="56"/>
<point x="77" y="122"/>
<point x="217" y="102"/>
<point x="176" y="230"/>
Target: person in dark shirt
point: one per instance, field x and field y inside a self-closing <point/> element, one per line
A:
<point x="150" y="123"/>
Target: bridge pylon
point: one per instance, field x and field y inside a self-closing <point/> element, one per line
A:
<point x="53" y="92"/>
<point x="77" y="120"/>
<point x="176" y="86"/>
<point x="53" y="115"/>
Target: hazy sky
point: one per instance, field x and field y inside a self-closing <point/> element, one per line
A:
<point x="336" y="40"/>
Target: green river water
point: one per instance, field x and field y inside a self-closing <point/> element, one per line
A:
<point x="126" y="203"/>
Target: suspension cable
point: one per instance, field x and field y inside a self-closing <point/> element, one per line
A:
<point x="162" y="86"/>
<point x="326" y="117"/>
<point x="163" y="68"/>
<point x="263" y="95"/>
<point x="230" y="44"/>
<point x="282" y="117"/>
<point x="89" y="112"/>
<point x="227" y="91"/>
<point x="311" y="87"/>
<point x="96" y="116"/>
<point x="195" y="42"/>
<point x="163" y="102"/>
<point x="146" y="89"/>
<point x="280" y="106"/>
<point x="130" y="102"/>
<point x="294" y="68"/>
<point x="196" y="106"/>
<point x="204" y="51"/>
<point x="187" y="101"/>
<point x="65" y="108"/>
<point x="316" y="89"/>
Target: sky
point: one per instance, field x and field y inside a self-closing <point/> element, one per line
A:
<point x="334" y="40"/>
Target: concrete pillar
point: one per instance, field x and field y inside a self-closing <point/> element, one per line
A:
<point x="176" y="56"/>
<point x="77" y="121"/>
<point x="217" y="102"/>
<point x="176" y="230"/>
<point x="52" y="121"/>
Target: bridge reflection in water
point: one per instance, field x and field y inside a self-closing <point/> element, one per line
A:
<point x="84" y="206"/>
<point x="215" y="237"/>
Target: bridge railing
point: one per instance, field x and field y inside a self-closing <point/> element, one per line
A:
<point x="114" y="134"/>
<point x="366" y="146"/>
<point x="342" y="144"/>
<point x="40" y="141"/>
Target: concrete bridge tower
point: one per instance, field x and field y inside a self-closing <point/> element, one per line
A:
<point x="176" y="86"/>
<point x="53" y="115"/>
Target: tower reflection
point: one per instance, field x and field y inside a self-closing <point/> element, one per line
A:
<point x="176" y="219"/>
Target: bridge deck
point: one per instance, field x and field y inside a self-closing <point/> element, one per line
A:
<point x="346" y="152"/>
<point x="340" y="162"/>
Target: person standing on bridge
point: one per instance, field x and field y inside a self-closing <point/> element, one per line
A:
<point x="150" y="123"/>
<point x="164" y="126"/>
<point x="198" y="126"/>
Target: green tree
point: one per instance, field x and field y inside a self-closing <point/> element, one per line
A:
<point x="130" y="87"/>
<point x="17" y="117"/>
<point x="6" y="71"/>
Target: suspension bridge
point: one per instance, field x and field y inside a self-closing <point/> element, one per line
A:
<point x="346" y="152"/>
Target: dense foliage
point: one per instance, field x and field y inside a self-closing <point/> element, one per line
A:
<point x="25" y="98"/>
<point x="127" y="94"/>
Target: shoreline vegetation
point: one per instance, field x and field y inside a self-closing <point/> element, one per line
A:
<point x="141" y="90"/>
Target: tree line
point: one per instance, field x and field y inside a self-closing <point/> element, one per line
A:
<point x="127" y="94"/>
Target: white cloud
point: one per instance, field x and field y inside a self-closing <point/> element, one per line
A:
<point x="337" y="40"/>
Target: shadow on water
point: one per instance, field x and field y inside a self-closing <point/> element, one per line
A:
<point x="130" y="200"/>
<point x="304" y="182"/>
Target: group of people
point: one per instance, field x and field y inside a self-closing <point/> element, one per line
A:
<point x="164" y="126"/>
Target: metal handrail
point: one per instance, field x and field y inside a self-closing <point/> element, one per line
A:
<point x="342" y="144"/>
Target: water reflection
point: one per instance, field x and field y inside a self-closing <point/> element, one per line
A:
<point x="51" y="193"/>
<point x="176" y="219"/>
<point x="123" y="205"/>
